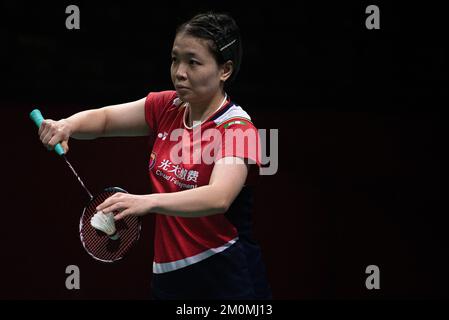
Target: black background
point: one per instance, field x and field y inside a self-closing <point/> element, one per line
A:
<point x="362" y="126"/>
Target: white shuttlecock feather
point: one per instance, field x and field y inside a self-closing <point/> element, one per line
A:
<point x="105" y="223"/>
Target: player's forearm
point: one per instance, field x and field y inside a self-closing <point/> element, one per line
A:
<point x="198" y="202"/>
<point x="87" y="124"/>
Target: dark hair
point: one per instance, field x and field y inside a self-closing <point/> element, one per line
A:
<point x="225" y="35"/>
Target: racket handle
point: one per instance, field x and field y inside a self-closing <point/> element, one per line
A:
<point x="37" y="118"/>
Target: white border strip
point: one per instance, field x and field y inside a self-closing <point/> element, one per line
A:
<point x="178" y="264"/>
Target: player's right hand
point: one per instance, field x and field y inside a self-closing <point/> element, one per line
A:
<point x="53" y="132"/>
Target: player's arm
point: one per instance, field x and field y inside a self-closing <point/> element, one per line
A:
<point x="127" y="119"/>
<point x="225" y="184"/>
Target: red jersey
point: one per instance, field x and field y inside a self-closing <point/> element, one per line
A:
<point x="183" y="241"/>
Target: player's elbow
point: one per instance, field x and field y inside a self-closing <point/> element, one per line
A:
<point x="222" y="205"/>
<point x="221" y="198"/>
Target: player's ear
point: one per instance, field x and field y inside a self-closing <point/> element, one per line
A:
<point x="226" y="70"/>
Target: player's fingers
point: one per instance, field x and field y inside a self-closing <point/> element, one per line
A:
<point x="119" y="195"/>
<point x="47" y="138"/>
<point x="53" y="141"/>
<point x="122" y="214"/>
<point x="65" y="146"/>
<point x="114" y="207"/>
<point x="106" y="203"/>
<point x="43" y="127"/>
<point x="49" y="133"/>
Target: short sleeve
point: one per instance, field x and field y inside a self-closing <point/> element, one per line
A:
<point x="155" y="104"/>
<point x="240" y="139"/>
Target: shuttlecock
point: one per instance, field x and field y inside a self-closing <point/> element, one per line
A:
<point x="105" y="223"/>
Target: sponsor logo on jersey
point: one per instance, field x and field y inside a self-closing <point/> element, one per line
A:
<point x="163" y="136"/>
<point x="177" y="174"/>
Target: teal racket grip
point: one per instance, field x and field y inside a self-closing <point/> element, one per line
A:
<point x="37" y="118"/>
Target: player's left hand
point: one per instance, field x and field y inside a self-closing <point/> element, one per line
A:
<point x="127" y="204"/>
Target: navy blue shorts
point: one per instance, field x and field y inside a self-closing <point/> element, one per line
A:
<point x="236" y="273"/>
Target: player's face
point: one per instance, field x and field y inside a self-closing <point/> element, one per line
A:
<point x="194" y="71"/>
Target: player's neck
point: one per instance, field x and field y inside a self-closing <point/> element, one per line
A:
<point x="200" y="112"/>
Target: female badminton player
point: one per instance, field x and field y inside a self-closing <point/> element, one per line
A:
<point x="204" y="248"/>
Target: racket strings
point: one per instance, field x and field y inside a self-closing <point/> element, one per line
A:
<point x="98" y="244"/>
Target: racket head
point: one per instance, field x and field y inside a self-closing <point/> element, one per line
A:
<point x="98" y="244"/>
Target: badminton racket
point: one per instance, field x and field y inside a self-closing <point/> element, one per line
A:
<point x="109" y="240"/>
